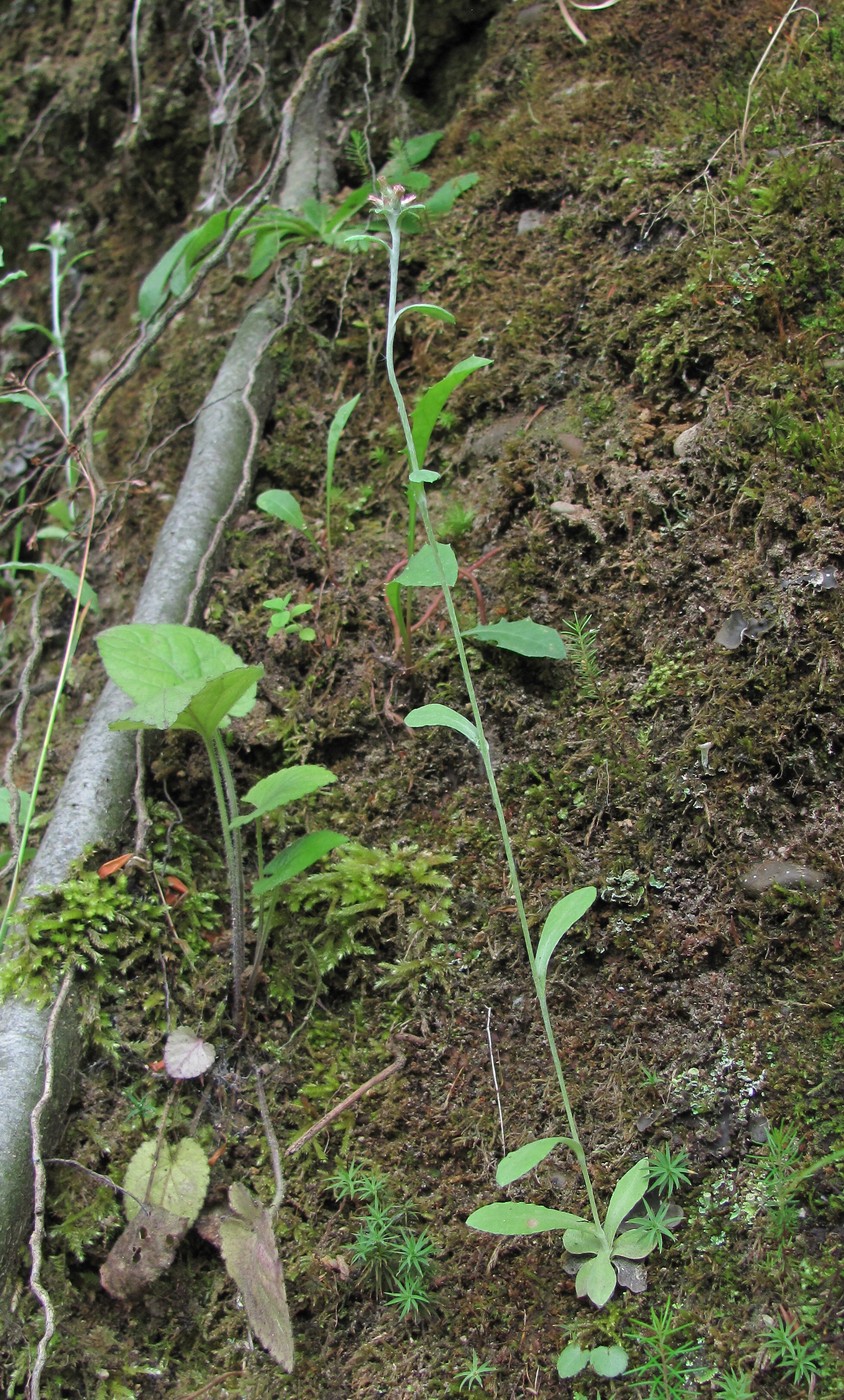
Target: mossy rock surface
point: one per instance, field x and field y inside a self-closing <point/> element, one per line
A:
<point x="632" y="279"/>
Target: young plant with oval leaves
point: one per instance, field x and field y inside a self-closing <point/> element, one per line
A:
<point x="182" y="678"/>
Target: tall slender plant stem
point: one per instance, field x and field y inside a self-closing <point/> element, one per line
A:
<point x="393" y="216"/>
<point x="224" y="790"/>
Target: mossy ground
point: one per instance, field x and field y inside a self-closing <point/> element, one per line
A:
<point x="661" y="283"/>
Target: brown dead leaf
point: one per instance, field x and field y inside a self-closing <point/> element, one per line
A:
<point x="142" y="1251"/>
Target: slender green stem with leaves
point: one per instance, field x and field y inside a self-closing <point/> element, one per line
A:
<point x="435" y="565"/>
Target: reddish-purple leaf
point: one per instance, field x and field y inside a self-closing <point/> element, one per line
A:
<point x="186" y="1055"/>
<point x="249" y="1250"/>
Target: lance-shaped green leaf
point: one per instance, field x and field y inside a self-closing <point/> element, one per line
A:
<point x="26" y="400"/>
<point x="282" y="505"/>
<point x="525" y="1158"/>
<point x="596" y="1280"/>
<point x="298" y="856"/>
<point x="67" y="578"/>
<point x="442" y="717"/>
<point x="627" y="1194"/>
<point x="24" y="804"/>
<point x="432" y="402"/>
<point x="409" y="153"/>
<point x="560" y="919"/>
<point x="392" y="592"/>
<point x="521" y="1218"/>
<point x="287" y="785"/>
<point x="525" y="637"/>
<point x="422" y="572"/>
<point x="429" y="309"/>
<point x="154" y="288"/>
<point x="445" y="196"/>
<point x="338" y="423"/>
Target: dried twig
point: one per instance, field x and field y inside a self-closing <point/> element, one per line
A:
<point x="272" y="1144"/>
<point x="328" y="1118"/>
<point x="495" y="1078"/>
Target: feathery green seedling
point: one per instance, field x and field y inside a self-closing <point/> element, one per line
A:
<point x="669" y="1170"/>
<point x="669" y="1367"/>
<point x="581" y="640"/>
<point x="799" y="1358"/>
<point x="474" y="1373"/>
<point x="599" y="1240"/>
<point x="182" y="678"/>
<point x="734" y="1385"/>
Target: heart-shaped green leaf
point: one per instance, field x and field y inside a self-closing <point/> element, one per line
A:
<point x="197" y="706"/>
<point x="174" y="1178"/>
<point x="148" y="659"/>
<point x="572" y="1361"/>
<point x="608" y="1361"/>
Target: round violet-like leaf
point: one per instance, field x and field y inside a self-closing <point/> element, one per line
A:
<point x="186" y="1056"/>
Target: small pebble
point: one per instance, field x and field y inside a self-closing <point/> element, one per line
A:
<point x="767" y="873"/>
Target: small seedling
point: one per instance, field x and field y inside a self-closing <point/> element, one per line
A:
<point x="733" y="1385"/>
<point x="800" y="1359"/>
<point x="669" y="1170"/>
<point x="410" y="1296"/>
<point x="283" y="504"/>
<point x="473" y="1375"/>
<point x="393" y="1259"/>
<point x="347" y="1183"/>
<point x="182" y="678"/>
<point x="608" y="1362"/>
<point x="669" y="1368"/>
<point x="456" y="523"/>
<point x="284" y="614"/>
<point x="654" y="1224"/>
